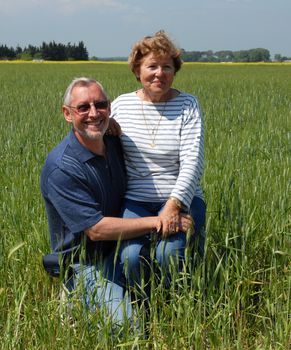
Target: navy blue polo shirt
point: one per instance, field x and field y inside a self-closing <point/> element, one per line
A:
<point x="80" y="188"/>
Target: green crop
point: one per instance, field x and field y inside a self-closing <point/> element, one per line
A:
<point x="238" y="297"/>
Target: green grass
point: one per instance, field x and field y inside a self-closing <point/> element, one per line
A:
<point x="239" y="298"/>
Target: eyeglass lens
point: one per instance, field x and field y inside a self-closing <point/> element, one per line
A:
<point x="85" y="107"/>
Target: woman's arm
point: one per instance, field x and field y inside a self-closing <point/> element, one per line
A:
<point x="191" y="155"/>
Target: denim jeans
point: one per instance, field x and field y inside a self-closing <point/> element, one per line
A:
<point x="101" y="286"/>
<point x="132" y="252"/>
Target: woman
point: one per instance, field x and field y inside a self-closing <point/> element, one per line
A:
<point x="162" y="137"/>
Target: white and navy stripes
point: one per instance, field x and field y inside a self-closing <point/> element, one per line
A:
<point x="175" y="165"/>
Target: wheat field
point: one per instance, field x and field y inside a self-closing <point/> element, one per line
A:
<point x="239" y="296"/>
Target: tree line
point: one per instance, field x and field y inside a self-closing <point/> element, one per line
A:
<point x="51" y="51"/>
<point x="252" y="55"/>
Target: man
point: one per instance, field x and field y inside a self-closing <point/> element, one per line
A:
<point x="83" y="182"/>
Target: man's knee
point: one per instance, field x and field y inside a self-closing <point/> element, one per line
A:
<point x="170" y="249"/>
<point x="130" y="254"/>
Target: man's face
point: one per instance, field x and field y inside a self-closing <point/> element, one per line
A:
<point x="90" y="119"/>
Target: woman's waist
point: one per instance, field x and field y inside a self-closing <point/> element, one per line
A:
<point x="156" y="192"/>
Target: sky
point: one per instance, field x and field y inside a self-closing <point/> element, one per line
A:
<point x="109" y="28"/>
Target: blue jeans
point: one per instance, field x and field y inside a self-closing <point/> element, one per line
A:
<point x="135" y="251"/>
<point x="101" y="285"/>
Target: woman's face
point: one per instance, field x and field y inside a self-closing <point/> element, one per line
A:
<point x="156" y="75"/>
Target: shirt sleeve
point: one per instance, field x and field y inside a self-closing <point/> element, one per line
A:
<point x="191" y="154"/>
<point x="74" y="201"/>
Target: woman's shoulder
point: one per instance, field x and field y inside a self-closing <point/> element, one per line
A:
<point x="129" y="96"/>
<point x="185" y="98"/>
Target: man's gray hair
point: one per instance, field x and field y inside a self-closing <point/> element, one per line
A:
<point x="83" y="81"/>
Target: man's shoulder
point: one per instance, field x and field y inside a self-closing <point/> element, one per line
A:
<point x="61" y="159"/>
<point x="55" y="156"/>
<point x="61" y="168"/>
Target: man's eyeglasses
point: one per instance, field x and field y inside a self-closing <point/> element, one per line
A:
<point x="84" y="108"/>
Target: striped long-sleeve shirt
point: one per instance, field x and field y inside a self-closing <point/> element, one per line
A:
<point x="163" y="145"/>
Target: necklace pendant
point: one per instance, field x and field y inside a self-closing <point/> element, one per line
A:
<point x="153" y="145"/>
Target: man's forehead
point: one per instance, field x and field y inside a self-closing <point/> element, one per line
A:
<point x="84" y="91"/>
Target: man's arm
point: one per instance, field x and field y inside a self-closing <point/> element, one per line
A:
<point x="85" y="215"/>
<point x="111" y="228"/>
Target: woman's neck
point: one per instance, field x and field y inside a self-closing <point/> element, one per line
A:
<point x="146" y="96"/>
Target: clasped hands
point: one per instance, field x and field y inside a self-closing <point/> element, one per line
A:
<point x="171" y="221"/>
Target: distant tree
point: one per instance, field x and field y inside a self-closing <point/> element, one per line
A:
<point x="61" y="53"/>
<point x="259" y="55"/>
<point x="32" y="50"/>
<point x="224" y="56"/>
<point x="7" y="52"/>
<point x="45" y="52"/>
<point x="81" y="53"/>
<point x="24" y="56"/>
<point x="206" y="56"/>
<point x="53" y="51"/>
<point x="77" y="52"/>
<point x="70" y="51"/>
<point x="27" y="53"/>
<point x="38" y="56"/>
<point x="190" y="56"/>
<point x="280" y="58"/>
<point x="18" y="50"/>
<point x="241" y="56"/>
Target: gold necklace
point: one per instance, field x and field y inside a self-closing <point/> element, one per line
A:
<point x="153" y="133"/>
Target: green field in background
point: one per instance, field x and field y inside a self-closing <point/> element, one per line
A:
<point x="239" y="298"/>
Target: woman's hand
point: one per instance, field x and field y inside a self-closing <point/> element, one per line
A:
<point x="170" y="218"/>
<point x="113" y="128"/>
<point x="173" y="221"/>
<point x="186" y="224"/>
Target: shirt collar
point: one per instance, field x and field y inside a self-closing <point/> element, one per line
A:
<point x="81" y="152"/>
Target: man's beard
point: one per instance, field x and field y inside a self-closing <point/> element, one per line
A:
<point x="90" y="135"/>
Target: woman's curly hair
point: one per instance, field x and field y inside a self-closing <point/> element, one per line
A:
<point x="159" y="44"/>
